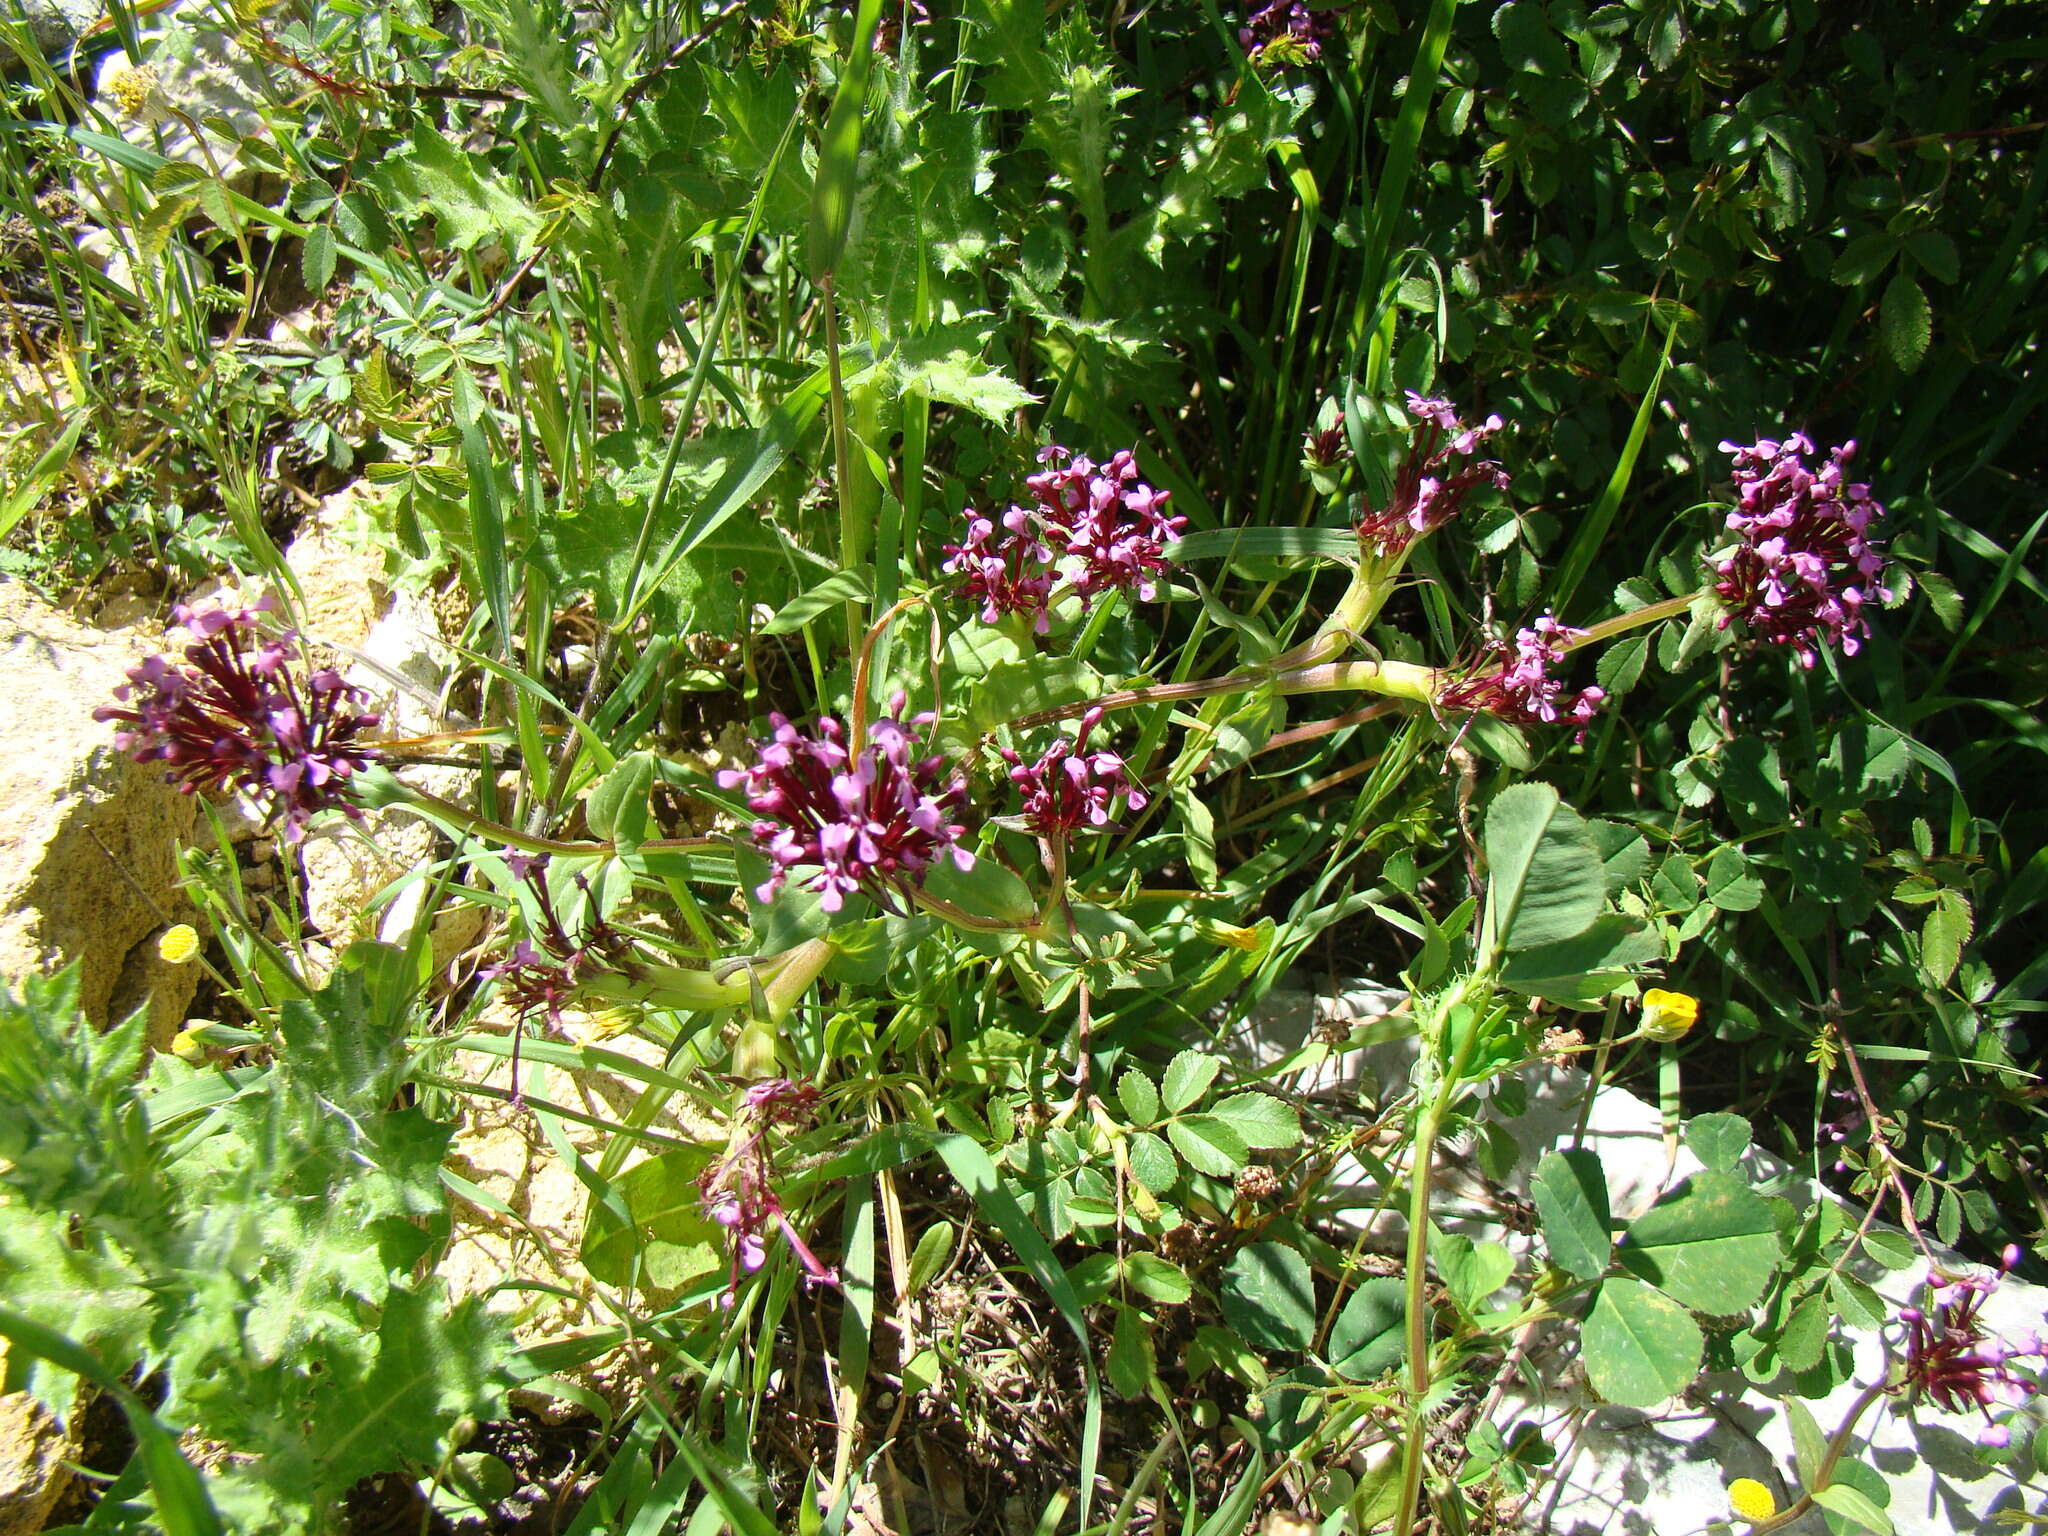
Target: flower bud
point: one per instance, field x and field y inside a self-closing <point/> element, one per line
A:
<point x="1667" y="1016"/>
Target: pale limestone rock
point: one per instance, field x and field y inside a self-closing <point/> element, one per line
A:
<point x="88" y="839"/>
<point x="34" y="1448"/>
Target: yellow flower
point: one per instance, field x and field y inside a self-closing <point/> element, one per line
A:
<point x="130" y="88"/>
<point x="1668" y="1015"/>
<point x="178" y="944"/>
<point x="1750" y="1499"/>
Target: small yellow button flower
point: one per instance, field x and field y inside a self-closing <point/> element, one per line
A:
<point x="1668" y="1015"/>
<point x="1750" y="1499"/>
<point x="178" y="944"/>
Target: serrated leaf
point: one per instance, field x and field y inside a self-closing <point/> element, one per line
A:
<point x="1160" y="1279"/>
<point x="1805" y="1334"/>
<point x="316" y="260"/>
<point x="1188" y="1077"/>
<point x="1152" y="1162"/>
<point x="1139" y="1097"/>
<point x="1210" y="1145"/>
<point x="1620" y="666"/>
<point x="1262" y="1120"/>
<point x="1269" y="1296"/>
<point x="1640" y="1346"/>
<point x="947" y="364"/>
<point x="1570" y="1192"/>
<point x="1711" y="1243"/>
<point x="1906" y="320"/>
<point x="1368" y="1339"/>
<point x="1942" y="937"/>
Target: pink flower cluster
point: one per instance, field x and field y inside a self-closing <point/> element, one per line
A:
<point x="1100" y="525"/>
<point x="870" y="821"/>
<point x="540" y="978"/>
<point x="738" y="1191"/>
<point x="1522" y="690"/>
<point x="1804" y="565"/>
<point x="1952" y="1360"/>
<point x="233" y="714"/>
<point x="1282" y="32"/>
<point x="1069" y="785"/>
<point x="1431" y="484"/>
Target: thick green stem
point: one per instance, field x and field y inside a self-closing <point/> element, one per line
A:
<point x="1396" y="679"/>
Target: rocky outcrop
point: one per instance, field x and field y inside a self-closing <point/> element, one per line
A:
<point x="88" y="839"/>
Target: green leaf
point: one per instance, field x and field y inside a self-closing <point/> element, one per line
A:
<point x="470" y="203"/>
<point x="1210" y="1145"/>
<point x="654" y="1230"/>
<point x="1188" y="1077"/>
<point x="1570" y="1191"/>
<point x="1856" y="1508"/>
<point x="1942" y="937"/>
<point x="1620" y="665"/>
<point x="1809" y="1445"/>
<point x="1261" y="1119"/>
<point x="1640" y="1346"/>
<point x="1139" y="1096"/>
<point x="946" y="362"/>
<point x="620" y="807"/>
<point x="1152" y="1162"/>
<point x="1160" y="1279"/>
<point x="1472" y="1271"/>
<point x="827" y="596"/>
<point x="1710" y="1243"/>
<point x="1718" y="1140"/>
<point x="1544" y="881"/>
<point x="316" y="261"/>
<point x="1131" y="1364"/>
<point x="1730" y="885"/>
<point x="1269" y="1296"/>
<point x="1624" y="855"/>
<point x="1906" y="321"/>
<point x="1369" y="1337"/>
<point x="985" y="889"/>
<point x="183" y="1504"/>
<point x="1587" y="967"/>
<point x="838" y="176"/>
<point x="1338" y="545"/>
<point x="934" y="1247"/>
<point x="1805" y="1334"/>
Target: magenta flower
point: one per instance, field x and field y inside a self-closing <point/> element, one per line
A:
<point x="1099" y="525"/>
<point x="541" y="977"/>
<point x="1522" y="690"/>
<point x="1282" y="32"/>
<point x="234" y="714"/>
<point x="738" y="1189"/>
<point x="1951" y="1359"/>
<point x="1069" y="785"/>
<point x="1431" y="484"/>
<point x="871" y="822"/>
<point x="1012" y="574"/>
<point x="1804" y="565"/>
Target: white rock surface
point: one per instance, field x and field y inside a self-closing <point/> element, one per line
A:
<point x="88" y="839"/>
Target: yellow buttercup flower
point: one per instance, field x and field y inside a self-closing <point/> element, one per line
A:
<point x="1668" y="1015"/>
<point x="1750" y="1499"/>
<point x="179" y="943"/>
